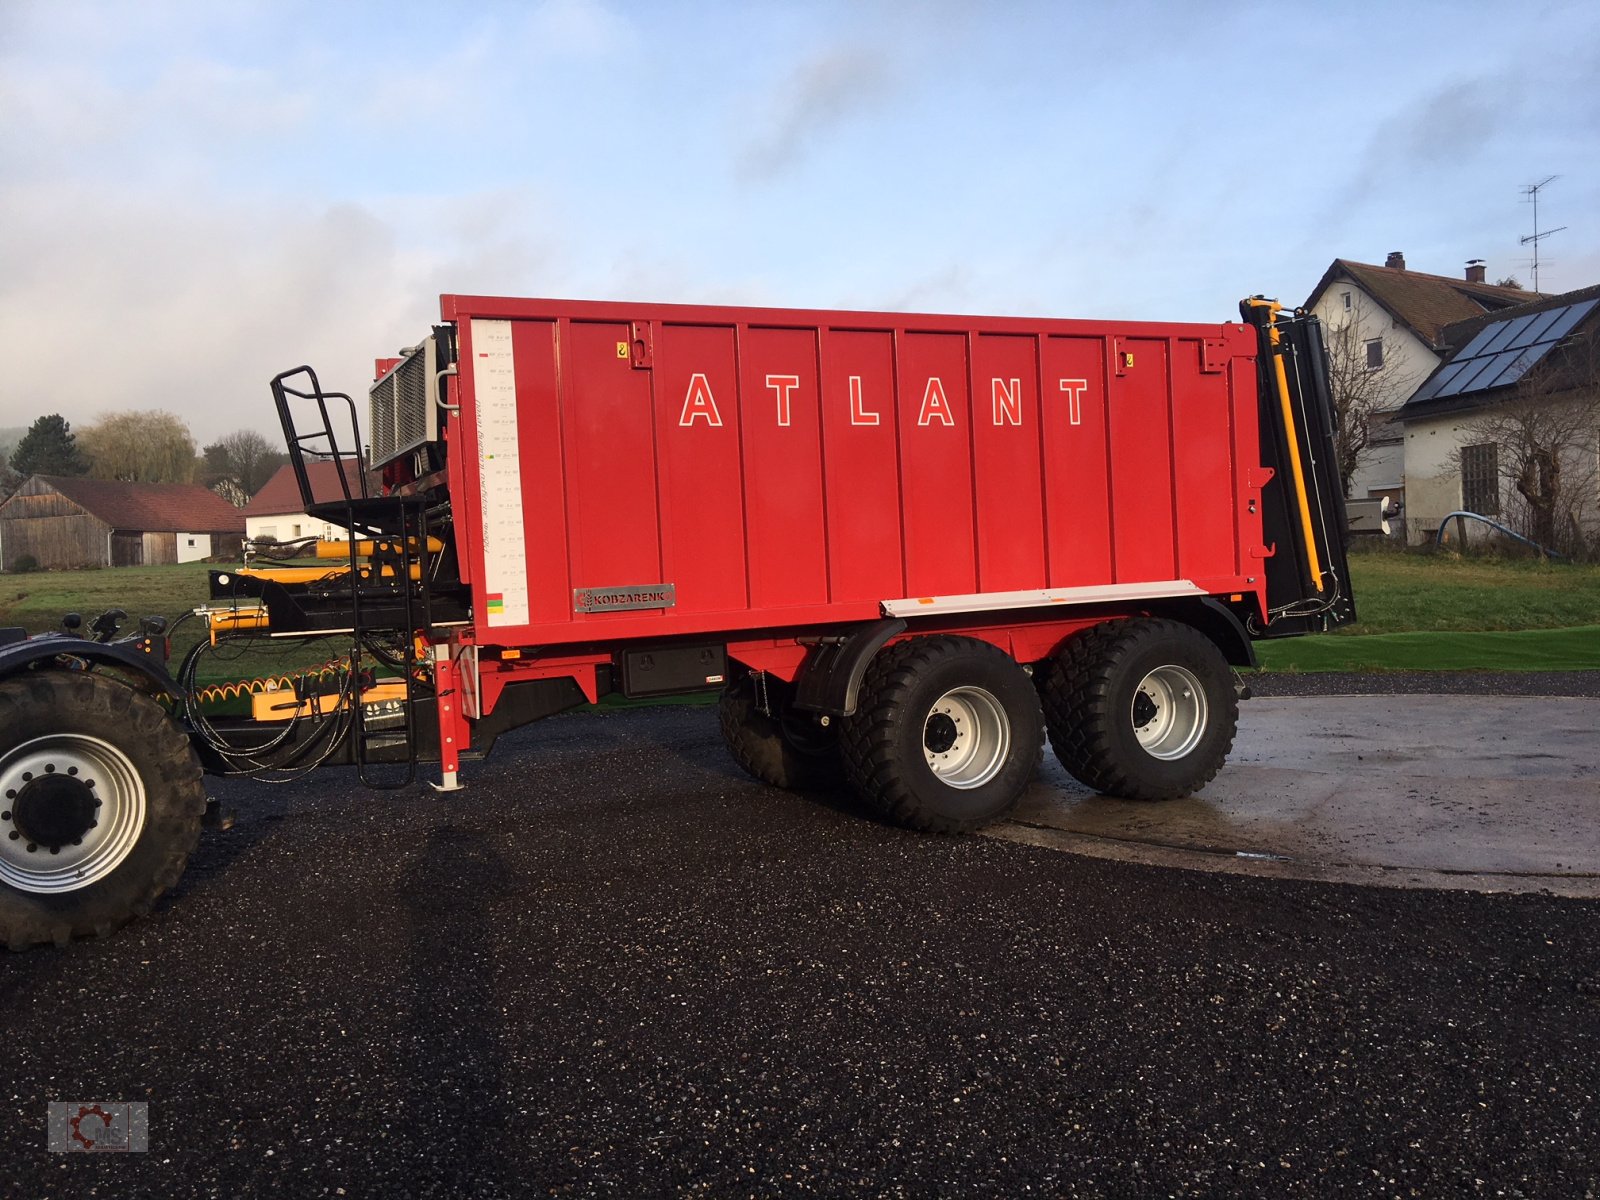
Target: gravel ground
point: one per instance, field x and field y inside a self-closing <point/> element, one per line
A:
<point x="615" y="967"/>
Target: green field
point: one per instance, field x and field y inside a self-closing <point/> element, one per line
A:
<point x="1404" y="593"/>
<point x="1418" y="612"/>
<point x="36" y="601"/>
<point x="1435" y="612"/>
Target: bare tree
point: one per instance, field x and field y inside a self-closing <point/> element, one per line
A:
<point x="1546" y="439"/>
<point x="239" y="465"/>
<point x="1368" y="378"/>
<point x="140" y="447"/>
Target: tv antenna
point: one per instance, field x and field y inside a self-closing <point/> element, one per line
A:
<point x="1533" y="239"/>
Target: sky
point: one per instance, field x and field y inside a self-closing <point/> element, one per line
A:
<point x="195" y="196"/>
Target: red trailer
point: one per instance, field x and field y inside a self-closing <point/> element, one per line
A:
<point x="902" y="548"/>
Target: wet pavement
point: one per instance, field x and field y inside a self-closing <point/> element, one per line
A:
<point x="1492" y="793"/>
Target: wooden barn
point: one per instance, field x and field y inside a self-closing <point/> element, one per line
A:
<point x="66" y="522"/>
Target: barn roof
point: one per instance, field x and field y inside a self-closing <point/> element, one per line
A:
<point x="280" y="495"/>
<point x="150" y="507"/>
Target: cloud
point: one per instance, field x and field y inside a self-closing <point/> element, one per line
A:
<point x="580" y="29"/>
<point x="131" y="303"/>
<point x="822" y="94"/>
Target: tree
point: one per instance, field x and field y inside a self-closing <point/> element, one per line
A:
<point x="1510" y="281"/>
<point x="1368" y="378"/>
<point x="140" y="447"/>
<point x="48" y="448"/>
<point x="239" y="465"/>
<point x="10" y="481"/>
<point x="1546" y="439"/>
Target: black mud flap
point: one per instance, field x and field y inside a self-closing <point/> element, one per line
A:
<point x="1303" y="510"/>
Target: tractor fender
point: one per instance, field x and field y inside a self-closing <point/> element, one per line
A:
<point x="41" y="652"/>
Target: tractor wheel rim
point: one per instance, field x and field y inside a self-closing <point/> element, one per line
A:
<point x="39" y="779"/>
<point x="1169" y="712"/>
<point x="966" y="737"/>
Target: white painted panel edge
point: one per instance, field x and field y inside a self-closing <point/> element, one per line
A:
<point x="995" y="601"/>
<point x="505" y="551"/>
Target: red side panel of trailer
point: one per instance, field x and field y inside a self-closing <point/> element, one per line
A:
<point x="625" y="471"/>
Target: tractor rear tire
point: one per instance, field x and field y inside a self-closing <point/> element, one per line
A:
<point x="100" y="806"/>
<point x="1140" y="709"/>
<point x="785" y="749"/>
<point x="946" y="736"/>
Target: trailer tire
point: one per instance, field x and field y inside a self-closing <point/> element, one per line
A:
<point x="1141" y="709"/>
<point x="946" y="735"/>
<point x="105" y="788"/>
<point x="785" y="750"/>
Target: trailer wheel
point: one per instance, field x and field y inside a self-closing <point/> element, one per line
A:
<point x="1142" y="709"/>
<point x="788" y="749"/>
<point x="946" y="735"/>
<point x="100" y="806"/>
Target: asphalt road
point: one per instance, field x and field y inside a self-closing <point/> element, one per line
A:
<point x="616" y="967"/>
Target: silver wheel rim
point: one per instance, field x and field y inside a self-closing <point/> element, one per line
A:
<point x="966" y="737"/>
<point x="1169" y="712"/>
<point x="119" y="815"/>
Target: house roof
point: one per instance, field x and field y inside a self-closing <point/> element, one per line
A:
<point x="150" y="507"/>
<point x="1425" y="304"/>
<point x="1488" y="356"/>
<point x="280" y="495"/>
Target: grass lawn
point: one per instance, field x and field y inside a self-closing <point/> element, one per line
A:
<point x="36" y="602"/>
<point x="1441" y="613"/>
<point x="1402" y="593"/>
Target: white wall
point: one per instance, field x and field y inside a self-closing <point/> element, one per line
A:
<point x="1433" y="476"/>
<point x="192" y="547"/>
<point x="1384" y="470"/>
<point x="289" y="526"/>
<point x="1417" y="360"/>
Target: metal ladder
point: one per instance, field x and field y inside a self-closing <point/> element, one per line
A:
<point x="396" y="526"/>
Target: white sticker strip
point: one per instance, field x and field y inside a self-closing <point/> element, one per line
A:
<point x="505" y="556"/>
<point x="913" y="606"/>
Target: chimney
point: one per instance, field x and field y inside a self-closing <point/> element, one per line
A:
<point x="1475" y="270"/>
<point x="1396" y="260"/>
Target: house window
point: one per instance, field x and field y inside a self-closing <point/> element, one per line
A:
<point x="267" y="531"/>
<point x="1480" y="479"/>
<point x="1347" y="302"/>
<point x="191" y="541"/>
<point x="1374" y="353"/>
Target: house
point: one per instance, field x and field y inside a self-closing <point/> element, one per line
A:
<point x="1384" y="328"/>
<point x="1510" y="413"/>
<point x="277" y="511"/>
<point x="72" y="522"/>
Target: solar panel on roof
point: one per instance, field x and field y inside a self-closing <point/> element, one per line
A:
<point x="1506" y="331"/>
<point x="1526" y="359"/>
<point x="1568" y="320"/>
<point x="1502" y="352"/>
<point x="1534" y="332"/>
<point x="1508" y="363"/>
<point x="1467" y="381"/>
<point x="1475" y="347"/>
<point x="1438" y="383"/>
